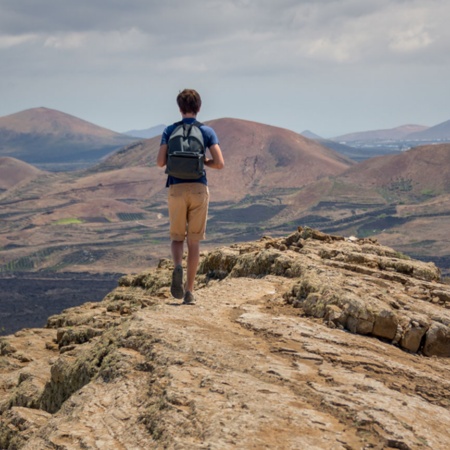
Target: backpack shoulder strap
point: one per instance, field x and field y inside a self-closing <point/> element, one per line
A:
<point x="187" y="127"/>
<point x="176" y="127"/>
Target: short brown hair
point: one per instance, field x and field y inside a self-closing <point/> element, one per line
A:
<point x="189" y="101"/>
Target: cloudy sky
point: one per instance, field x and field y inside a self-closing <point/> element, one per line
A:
<point x="329" y="66"/>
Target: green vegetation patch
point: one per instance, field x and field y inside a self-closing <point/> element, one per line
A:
<point x="400" y="255"/>
<point x="68" y="221"/>
<point x="427" y="192"/>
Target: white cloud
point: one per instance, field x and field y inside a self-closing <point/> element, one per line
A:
<point x="410" y="40"/>
<point x="66" y="41"/>
<point x="115" y="41"/>
<point x="8" y="41"/>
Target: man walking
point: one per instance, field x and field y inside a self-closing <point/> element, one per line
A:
<point x="188" y="197"/>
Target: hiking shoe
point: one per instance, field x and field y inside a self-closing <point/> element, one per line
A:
<point x="176" y="288"/>
<point x="189" y="298"/>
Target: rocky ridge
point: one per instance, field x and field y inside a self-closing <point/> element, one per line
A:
<point x="306" y="341"/>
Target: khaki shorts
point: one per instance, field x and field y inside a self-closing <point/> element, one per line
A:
<point x="188" y="211"/>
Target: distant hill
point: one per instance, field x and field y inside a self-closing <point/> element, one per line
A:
<point x="52" y="139"/>
<point x="398" y="133"/>
<point x="412" y="176"/>
<point x="13" y="171"/>
<point x="436" y="133"/>
<point x="147" y="133"/>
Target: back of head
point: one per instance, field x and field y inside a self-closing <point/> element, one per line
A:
<point x="189" y="101"/>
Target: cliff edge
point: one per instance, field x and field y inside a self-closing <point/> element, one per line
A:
<point x="310" y="341"/>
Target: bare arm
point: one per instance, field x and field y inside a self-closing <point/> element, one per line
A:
<point x="161" y="159"/>
<point x="216" y="162"/>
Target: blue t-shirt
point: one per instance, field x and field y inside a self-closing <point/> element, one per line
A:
<point x="209" y="137"/>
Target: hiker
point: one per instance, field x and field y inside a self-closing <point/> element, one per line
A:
<point x="182" y="152"/>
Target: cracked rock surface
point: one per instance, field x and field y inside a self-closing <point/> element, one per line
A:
<point x="305" y="342"/>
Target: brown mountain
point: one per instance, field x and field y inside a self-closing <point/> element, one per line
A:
<point x="48" y="137"/>
<point x="13" y="171"/>
<point x="418" y="172"/>
<point x="412" y="176"/>
<point x="262" y="158"/>
<point x="394" y="134"/>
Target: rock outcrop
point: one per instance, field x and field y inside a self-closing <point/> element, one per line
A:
<point x="308" y="341"/>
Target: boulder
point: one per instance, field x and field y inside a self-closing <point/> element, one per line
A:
<point x="437" y="340"/>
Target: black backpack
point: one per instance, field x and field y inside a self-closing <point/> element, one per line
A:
<point x="186" y="151"/>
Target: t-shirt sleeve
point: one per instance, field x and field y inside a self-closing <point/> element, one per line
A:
<point x="165" y="136"/>
<point x="210" y="136"/>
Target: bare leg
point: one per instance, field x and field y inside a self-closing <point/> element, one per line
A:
<point x="177" y="252"/>
<point x="192" y="263"/>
